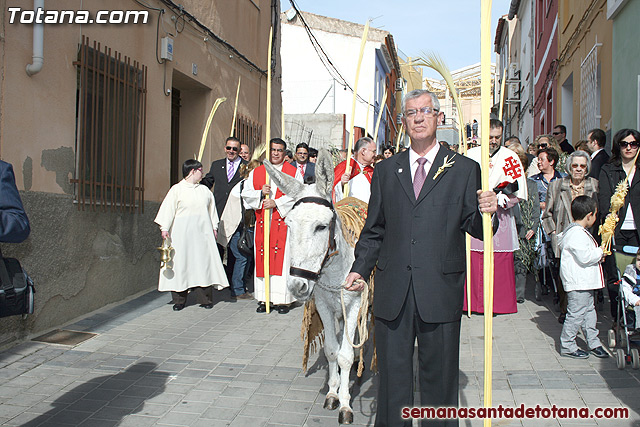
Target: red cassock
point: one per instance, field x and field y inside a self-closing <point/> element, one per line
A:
<point x="355" y="169"/>
<point x="277" y="230"/>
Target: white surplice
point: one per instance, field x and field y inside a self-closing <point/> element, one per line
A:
<point x="188" y="213"/>
<point x="278" y="292"/>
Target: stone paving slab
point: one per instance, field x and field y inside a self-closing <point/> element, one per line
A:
<point x="230" y="366"/>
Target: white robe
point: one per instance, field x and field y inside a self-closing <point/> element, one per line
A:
<point x="504" y="166"/>
<point x="188" y="213"/>
<point x="359" y="187"/>
<point x="278" y="292"/>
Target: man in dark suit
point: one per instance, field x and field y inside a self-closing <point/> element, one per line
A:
<point x="423" y="200"/>
<point x="225" y="174"/>
<point x="14" y="224"/>
<point x="596" y="142"/>
<point x="560" y="134"/>
<point x="304" y="167"/>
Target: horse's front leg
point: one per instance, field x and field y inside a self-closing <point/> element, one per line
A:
<point x="331" y="348"/>
<point x="345" y="355"/>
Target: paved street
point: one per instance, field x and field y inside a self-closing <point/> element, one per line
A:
<point x="148" y="365"/>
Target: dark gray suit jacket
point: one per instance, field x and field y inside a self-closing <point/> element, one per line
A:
<point x="218" y="175"/>
<point x="309" y="170"/>
<point x="597" y="162"/>
<point x="420" y="240"/>
<point x="14" y="224"/>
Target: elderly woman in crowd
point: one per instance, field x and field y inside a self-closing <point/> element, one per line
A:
<point x="621" y="166"/>
<point x="557" y="214"/>
<point x="188" y="217"/>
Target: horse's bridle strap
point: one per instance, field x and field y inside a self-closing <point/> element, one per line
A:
<point x="312" y="275"/>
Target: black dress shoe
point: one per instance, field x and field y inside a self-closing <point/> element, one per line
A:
<point x="283" y="309"/>
<point x="262" y="308"/>
<point x="562" y="318"/>
<point x="599" y="352"/>
<point x="207" y="306"/>
<point x="178" y="307"/>
<point x="520" y="300"/>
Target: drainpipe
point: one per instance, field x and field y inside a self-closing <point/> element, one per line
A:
<point x="38" y="42"/>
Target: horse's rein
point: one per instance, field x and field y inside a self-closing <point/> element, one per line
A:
<point x="331" y="245"/>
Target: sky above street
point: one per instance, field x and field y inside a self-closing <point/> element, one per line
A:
<point x="450" y="28"/>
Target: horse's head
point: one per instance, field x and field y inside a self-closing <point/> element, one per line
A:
<point x="311" y="224"/>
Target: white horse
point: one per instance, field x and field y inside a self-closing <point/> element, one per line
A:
<point x="321" y="258"/>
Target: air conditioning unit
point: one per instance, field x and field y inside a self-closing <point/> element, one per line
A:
<point x="399" y="85"/>
<point x="514" y="72"/>
<point x="513" y="92"/>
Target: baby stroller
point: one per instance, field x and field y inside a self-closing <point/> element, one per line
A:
<point x="619" y="337"/>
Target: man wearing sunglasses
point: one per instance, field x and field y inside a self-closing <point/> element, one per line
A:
<point x="225" y="174"/>
<point x="560" y="134"/>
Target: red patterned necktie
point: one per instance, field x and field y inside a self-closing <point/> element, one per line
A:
<point x="420" y="176"/>
<point x="301" y="170"/>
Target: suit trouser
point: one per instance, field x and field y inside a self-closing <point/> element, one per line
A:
<point x="204" y="295"/>
<point x="438" y="360"/>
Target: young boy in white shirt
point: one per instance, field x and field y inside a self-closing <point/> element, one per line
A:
<point x="581" y="274"/>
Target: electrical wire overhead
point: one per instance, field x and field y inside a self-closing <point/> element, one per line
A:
<point x="324" y="57"/>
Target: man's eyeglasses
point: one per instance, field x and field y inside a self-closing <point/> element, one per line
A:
<point x="232" y="148"/>
<point x="277" y="150"/>
<point x="302" y="153"/>
<point x="633" y="144"/>
<point x="497" y="138"/>
<point x="556" y="133"/>
<point x="576" y="166"/>
<point x="427" y="111"/>
<point x="542" y="146"/>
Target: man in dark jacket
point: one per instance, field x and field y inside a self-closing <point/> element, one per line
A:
<point x="423" y="200"/>
<point x="14" y="224"/>
<point x="597" y="140"/>
<point x="225" y="174"/>
<point x="560" y="134"/>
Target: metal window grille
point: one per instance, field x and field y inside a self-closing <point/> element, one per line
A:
<point x="248" y="132"/>
<point x="111" y="129"/>
<point x="588" y="93"/>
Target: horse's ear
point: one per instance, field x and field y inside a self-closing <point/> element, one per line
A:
<point x="324" y="173"/>
<point x="287" y="184"/>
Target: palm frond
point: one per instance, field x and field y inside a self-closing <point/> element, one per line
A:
<point x="435" y="62"/>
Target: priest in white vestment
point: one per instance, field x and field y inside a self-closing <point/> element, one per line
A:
<point x="188" y="217"/>
<point x="271" y="204"/>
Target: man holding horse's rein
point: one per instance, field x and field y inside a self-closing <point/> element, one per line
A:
<point x="422" y="202"/>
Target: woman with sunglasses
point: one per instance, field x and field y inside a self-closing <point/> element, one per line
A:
<point x="189" y="218"/>
<point x="557" y="214"/>
<point x="621" y="165"/>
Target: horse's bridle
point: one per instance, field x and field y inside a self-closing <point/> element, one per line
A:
<point x="331" y="246"/>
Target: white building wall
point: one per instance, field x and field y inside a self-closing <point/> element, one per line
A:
<point x="305" y="80"/>
<point x="525" y="17"/>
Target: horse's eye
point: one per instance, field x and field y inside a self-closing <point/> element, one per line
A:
<point x="320" y="228"/>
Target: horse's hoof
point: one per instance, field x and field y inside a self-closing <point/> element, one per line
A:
<point x="345" y="416"/>
<point x="331" y="402"/>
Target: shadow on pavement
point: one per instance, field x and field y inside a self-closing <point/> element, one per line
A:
<point x="110" y="397"/>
